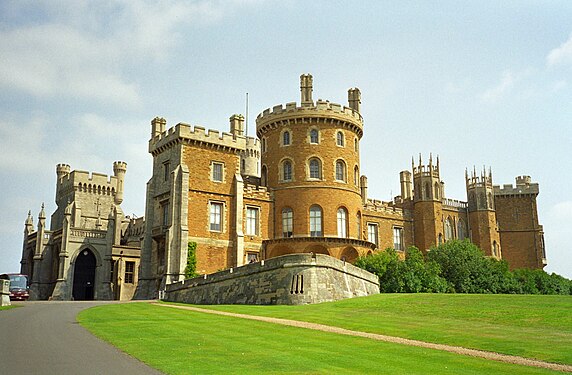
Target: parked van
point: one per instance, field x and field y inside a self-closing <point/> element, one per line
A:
<point x="19" y="290"/>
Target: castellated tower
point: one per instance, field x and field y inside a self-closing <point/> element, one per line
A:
<point x="310" y="153"/>
<point x="482" y="216"/>
<point x="427" y="202"/>
<point x="521" y="235"/>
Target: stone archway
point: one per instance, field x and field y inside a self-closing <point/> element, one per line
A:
<point x="349" y="255"/>
<point x="84" y="276"/>
<point x="317" y="249"/>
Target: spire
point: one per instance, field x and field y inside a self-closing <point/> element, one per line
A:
<point x="42" y="214"/>
<point x="430" y="159"/>
<point x="437" y="163"/>
<point x="29" y="219"/>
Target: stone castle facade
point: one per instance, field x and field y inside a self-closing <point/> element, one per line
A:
<point x="91" y="250"/>
<point x="297" y="188"/>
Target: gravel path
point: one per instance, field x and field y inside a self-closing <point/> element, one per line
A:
<point x="398" y="340"/>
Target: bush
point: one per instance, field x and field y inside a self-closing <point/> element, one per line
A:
<point x="191" y="268"/>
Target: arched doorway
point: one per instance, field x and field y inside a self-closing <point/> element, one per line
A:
<point x="84" y="276"/>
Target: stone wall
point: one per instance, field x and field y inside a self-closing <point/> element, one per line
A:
<point x="286" y="280"/>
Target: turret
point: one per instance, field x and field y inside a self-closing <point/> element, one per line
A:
<point x="480" y="190"/>
<point x="363" y="188"/>
<point x="406" y="189"/>
<point x="158" y="126"/>
<point x="426" y="181"/>
<point x="237" y="125"/>
<point x="119" y="169"/>
<point x="306" y="89"/>
<point x="62" y="170"/>
<point x="250" y="158"/>
<point x="354" y="99"/>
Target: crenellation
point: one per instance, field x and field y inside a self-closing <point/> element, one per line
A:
<point x="509" y="189"/>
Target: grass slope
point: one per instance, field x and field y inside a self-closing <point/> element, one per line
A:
<point x="185" y="342"/>
<point x="531" y="326"/>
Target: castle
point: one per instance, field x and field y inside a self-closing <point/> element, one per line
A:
<point x="294" y="188"/>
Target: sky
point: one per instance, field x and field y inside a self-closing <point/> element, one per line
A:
<point x="479" y="83"/>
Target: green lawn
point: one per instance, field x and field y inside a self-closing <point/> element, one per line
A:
<point x="525" y="325"/>
<point x="185" y="342"/>
<point x="7" y="307"/>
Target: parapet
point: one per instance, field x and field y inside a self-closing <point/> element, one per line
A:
<point x="198" y="134"/>
<point x="375" y="205"/>
<point x="524" y="186"/>
<point x="85" y="181"/>
<point x="322" y="109"/>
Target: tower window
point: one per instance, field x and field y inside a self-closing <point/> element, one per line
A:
<point x="358" y="225"/>
<point x="315" y="169"/>
<point x="315" y="221"/>
<point x="286" y="138"/>
<point x="342" y="222"/>
<point x="449" y="229"/>
<point x="166" y="170"/>
<point x="314" y="136"/>
<point x="340" y="171"/>
<point x="263" y="144"/>
<point x="216" y="171"/>
<point x="398" y="238"/>
<point x="372" y="231"/>
<point x="356" y="144"/>
<point x="356" y="176"/>
<point x="287" y="222"/>
<point x="165" y="213"/>
<point x="340" y="139"/>
<point x="129" y="272"/>
<point x="286" y="171"/>
<point x="216" y="216"/>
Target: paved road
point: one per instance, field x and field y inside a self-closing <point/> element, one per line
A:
<point x="45" y="338"/>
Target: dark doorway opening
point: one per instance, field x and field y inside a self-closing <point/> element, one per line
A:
<point x="84" y="276"/>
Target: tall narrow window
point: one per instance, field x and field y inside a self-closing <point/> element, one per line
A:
<point x="358" y="222"/>
<point x="216" y="216"/>
<point x="287" y="222"/>
<point x="340" y="139"/>
<point x="264" y="176"/>
<point x="314" y="137"/>
<point x="286" y="138"/>
<point x="165" y="213"/>
<point x="166" y="170"/>
<point x="461" y="232"/>
<point x="252" y="221"/>
<point x="342" y="222"/>
<point x="356" y="144"/>
<point x="448" y="229"/>
<point x="340" y="170"/>
<point x="372" y="233"/>
<point x="315" y="221"/>
<point x="217" y="171"/>
<point x="287" y="171"/>
<point x="315" y="169"/>
<point x="263" y="144"/>
<point x="129" y="272"/>
<point x="398" y="238"/>
<point x="356" y="176"/>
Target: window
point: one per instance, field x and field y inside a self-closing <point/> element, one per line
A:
<point x="314" y="136"/>
<point x="217" y="171"/>
<point x="287" y="171"/>
<point x="286" y="138"/>
<point x="216" y="217"/>
<point x="251" y="258"/>
<point x="461" y="229"/>
<point x="340" y="139"/>
<point x="166" y="170"/>
<point x="129" y="272"/>
<point x="315" y="169"/>
<point x="340" y="170"/>
<point x="315" y="221"/>
<point x="287" y="222"/>
<point x="398" y="238"/>
<point x="242" y="165"/>
<point x="356" y="176"/>
<point x="164" y="213"/>
<point x="342" y="222"/>
<point x="372" y="233"/>
<point x="263" y="144"/>
<point x="437" y="189"/>
<point x="356" y="144"/>
<point x="252" y="215"/>
<point x="264" y="176"/>
<point x="495" y="249"/>
<point x="448" y="229"/>
<point x="358" y="222"/>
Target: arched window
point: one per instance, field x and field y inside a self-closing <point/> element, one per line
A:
<point x="263" y="144"/>
<point x="340" y="139"/>
<point x="315" y="221"/>
<point x="461" y="231"/>
<point x="340" y="170"/>
<point x="314" y="136"/>
<point x="440" y="239"/>
<point x="495" y="249"/>
<point x="315" y="168"/>
<point x="437" y="190"/>
<point x="286" y="138"/>
<point x="287" y="222"/>
<point x="342" y="222"/>
<point x="356" y="176"/>
<point x="358" y="226"/>
<point x="448" y="229"/>
<point x="427" y="190"/>
<point x="356" y="144"/>
<point x="264" y="176"/>
<point x="287" y="170"/>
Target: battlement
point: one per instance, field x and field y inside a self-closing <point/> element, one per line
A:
<point x="87" y="182"/>
<point x="484" y="180"/>
<point x="214" y="137"/>
<point x="256" y="192"/>
<point x="425" y="170"/>
<point x="454" y="203"/>
<point x="524" y="186"/>
<point x="375" y="205"/>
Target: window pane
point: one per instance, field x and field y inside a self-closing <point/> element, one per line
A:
<point x="340" y="171"/>
<point x="315" y="169"/>
<point x="315" y="221"/>
<point x="397" y="239"/>
<point x="372" y="233"/>
<point x="342" y="223"/>
<point x="287" y="222"/>
<point x="286" y="138"/>
<point x="217" y="172"/>
<point x="215" y="217"/>
<point x="340" y="138"/>
<point x="252" y="221"/>
<point x="287" y="171"/>
<point x="313" y="136"/>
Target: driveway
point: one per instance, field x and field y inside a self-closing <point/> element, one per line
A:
<point x="45" y="338"/>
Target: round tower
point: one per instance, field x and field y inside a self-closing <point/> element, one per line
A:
<point x="310" y="161"/>
<point x="482" y="214"/>
<point x="250" y="158"/>
<point x="119" y="169"/>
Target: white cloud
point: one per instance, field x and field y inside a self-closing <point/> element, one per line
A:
<point x="504" y="86"/>
<point x="560" y="55"/>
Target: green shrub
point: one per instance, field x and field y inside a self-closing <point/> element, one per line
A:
<point x="191" y="268"/>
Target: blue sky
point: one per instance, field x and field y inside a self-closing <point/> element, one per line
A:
<point x="475" y="82"/>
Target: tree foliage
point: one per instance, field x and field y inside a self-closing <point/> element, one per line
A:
<point x="457" y="267"/>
